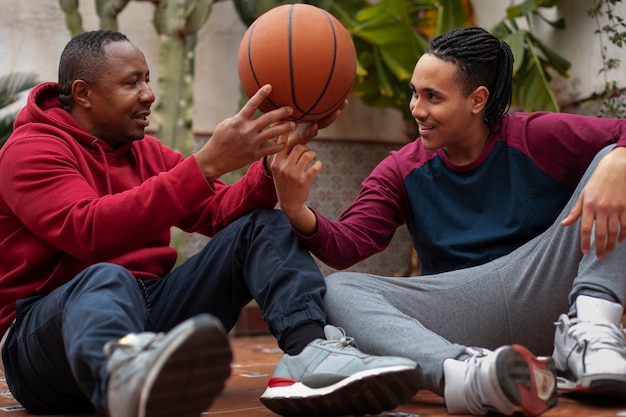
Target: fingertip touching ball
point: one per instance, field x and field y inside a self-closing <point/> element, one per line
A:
<point x="307" y="56"/>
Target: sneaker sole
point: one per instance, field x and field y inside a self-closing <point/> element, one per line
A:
<point x="529" y="382"/>
<point x="601" y="386"/>
<point x="367" y="392"/>
<point x="190" y="373"/>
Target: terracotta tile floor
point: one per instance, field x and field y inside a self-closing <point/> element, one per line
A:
<point x="253" y="364"/>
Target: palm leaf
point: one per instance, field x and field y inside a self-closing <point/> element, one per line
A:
<point x="11" y="86"/>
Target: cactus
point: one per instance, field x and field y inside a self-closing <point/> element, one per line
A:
<point x="73" y="20"/>
<point x="177" y="22"/>
<point x="108" y="10"/>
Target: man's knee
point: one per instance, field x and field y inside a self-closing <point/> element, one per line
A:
<point x="104" y="274"/>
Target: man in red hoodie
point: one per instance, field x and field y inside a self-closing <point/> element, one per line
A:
<point x="93" y="314"/>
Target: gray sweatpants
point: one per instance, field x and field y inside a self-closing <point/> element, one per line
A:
<point x="513" y="299"/>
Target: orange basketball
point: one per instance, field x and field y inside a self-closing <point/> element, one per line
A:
<point x="305" y="54"/>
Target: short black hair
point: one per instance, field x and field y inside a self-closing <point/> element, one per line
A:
<point x="83" y="58"/>
<point x="482" y="60"/>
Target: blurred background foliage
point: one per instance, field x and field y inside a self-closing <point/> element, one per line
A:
<point x="391" y="35"/>
<point x="11" y="86"/>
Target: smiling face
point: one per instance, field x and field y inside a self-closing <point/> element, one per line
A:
<point x="115" y="107"/>
<point x="447" y="118"/>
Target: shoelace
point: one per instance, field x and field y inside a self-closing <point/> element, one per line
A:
<point x="345" y="343"/>
<point x="339" y="340"/>
<point x="598" y="335"/>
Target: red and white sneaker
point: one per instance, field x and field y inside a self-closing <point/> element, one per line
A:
<point x="507" y="380"/>
<point x="333" y="378"/>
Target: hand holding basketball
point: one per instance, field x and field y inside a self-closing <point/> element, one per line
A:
<point x="243" y="139"/>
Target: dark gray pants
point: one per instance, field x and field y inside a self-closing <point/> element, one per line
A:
<point x="513" y="299"/>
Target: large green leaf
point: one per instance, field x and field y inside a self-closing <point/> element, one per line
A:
<point x="531" y="79"/>
<point x="535" y="92"/>
<point x="517" y="42"/>
<point x="556" y="61"/>
<point x="399" y="63"/>
<point x="388" y="45"/>
<point x="528" y="7"/>
<point x="12" y="85"/>
<point x="383" y="79"/>
<point x="381" y="34"/>
<point x="454" y="14"/>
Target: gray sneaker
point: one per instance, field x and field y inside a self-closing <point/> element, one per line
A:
<point x="590" y="351"/>
<point x="165" y="375"/>
<point x="333" y="378"/>
<point x="509" y="380"/>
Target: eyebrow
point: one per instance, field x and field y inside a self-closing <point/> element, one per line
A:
<point x="137" y="73"/>
<point x="425" y="89"/>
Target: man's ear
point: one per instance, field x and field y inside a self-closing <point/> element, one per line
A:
<point x="479" y="98"/>
<point x="80" y="93"/>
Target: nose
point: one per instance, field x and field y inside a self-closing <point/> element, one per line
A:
<point x="147" y="94"/>
<point x="417" y="110"/>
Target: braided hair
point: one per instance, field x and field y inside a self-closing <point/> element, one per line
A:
<point x="83" y="59"/>
<point x="482" y="60"/>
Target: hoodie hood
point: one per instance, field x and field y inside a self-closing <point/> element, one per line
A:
<point x="46" y="114"/>
<point x="44" y="107"/>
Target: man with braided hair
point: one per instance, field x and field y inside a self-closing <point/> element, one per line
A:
<point x="518" y="220"/>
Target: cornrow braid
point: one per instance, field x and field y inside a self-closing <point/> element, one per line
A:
<point x="482" y="60"/>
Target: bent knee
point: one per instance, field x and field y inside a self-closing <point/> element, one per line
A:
<point x="340" y="288"/>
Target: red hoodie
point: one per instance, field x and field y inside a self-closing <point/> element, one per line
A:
<point x="68" y="200"/>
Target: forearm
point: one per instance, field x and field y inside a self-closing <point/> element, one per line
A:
<point x="303" y="220"/>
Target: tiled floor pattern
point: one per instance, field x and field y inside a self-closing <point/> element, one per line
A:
<point x="253" y="364"/>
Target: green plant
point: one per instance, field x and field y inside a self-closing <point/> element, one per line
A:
<point x="11" y="86"/>
<point x="177" y="24"/>
<point x="531" y="82"/>
<point x="391" y="35"/>
<point x="388" y="44"/>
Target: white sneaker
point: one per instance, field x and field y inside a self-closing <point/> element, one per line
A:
<point x="508" y="380"/>
<point x="589" y="350"/>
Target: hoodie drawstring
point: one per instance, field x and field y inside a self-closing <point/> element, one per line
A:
<point x="96" y="144"/>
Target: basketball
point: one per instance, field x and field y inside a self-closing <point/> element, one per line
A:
<point x="307" y="56"/>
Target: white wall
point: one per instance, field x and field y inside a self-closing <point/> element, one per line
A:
<point x="33" y="34"/>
